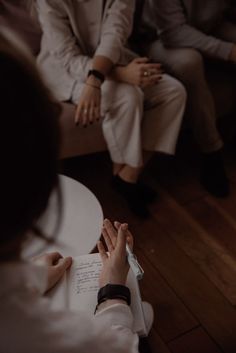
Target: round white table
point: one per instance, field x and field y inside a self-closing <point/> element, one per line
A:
<point x="80" y="226"/>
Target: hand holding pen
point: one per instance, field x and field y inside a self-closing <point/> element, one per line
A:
<point x="131" y="257"/>
<point x="115" y="265"/>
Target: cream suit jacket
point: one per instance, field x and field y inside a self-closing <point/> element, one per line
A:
<point x="76" y="30"/>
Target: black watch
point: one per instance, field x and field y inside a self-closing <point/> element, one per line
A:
<point x="97" y="74"/>
<point x="114" y="291"/>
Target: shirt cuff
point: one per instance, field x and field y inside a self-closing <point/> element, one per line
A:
<point x="109" y="51"/>
<point x="117" y="314"/>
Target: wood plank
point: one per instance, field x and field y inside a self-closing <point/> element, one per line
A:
<point x="172" y="174"/>
<point x="187" y="343"/>
<point x="213" y="259"/>
<point x="226" y="206"/>
<point x="183" y="276"/>
<point x="215" y="224"/>
<point x="171" y="316"/>
<point x="200" y="296"/>
<point x="156" y="343"/>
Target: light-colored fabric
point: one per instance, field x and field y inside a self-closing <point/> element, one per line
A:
<point x="187" y="66"/>
<point x="29" y="325"/>
<point x="136" y="119"/>
<point x="14" y="15"/>
<point x="122" y="111"/>
<point x="164" y="106"/>
<point x="75" y="31"/>
<point x="191" y="24"/>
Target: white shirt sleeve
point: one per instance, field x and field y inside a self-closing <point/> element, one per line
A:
<point x="34" y="327"/>
<point x="116" y="29"/>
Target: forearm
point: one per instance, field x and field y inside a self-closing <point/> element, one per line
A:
<point x="116" y="29"/>
<point x="177" y="32"/>
<point x="116" y="74"/>
<point x="102" y="64"/>
<point x="186" y="36"/>
<point x="117" y="321"/>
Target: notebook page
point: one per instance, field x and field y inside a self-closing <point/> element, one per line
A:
<point x="83" y="287"/>
<point x="83" y="282"/>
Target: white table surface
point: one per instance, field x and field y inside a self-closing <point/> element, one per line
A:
<point x="81" y="222"/>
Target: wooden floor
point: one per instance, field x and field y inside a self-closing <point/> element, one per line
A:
<point x="187" y="249"/>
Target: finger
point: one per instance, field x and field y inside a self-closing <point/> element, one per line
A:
<point x="130" y="240"/>
<point x="107" y="239"/>
<point x="78" y="115"/>
<point x="97" y="113"/>
<point x="150" y="66"/>
<point x="102" y="251"/>
<point x="85" y="114"/>
<point x="147" y="81"/>
<point x="129" y="237"/>
<point x="117" y="224"/>
<point x="155" y="78"/>
<point x="63" y="264"/>
<point x="53" y="258"/>
<point x="141" y="60"/>
<point x="121" y="239"/>
<point x="111" y="231"/>
<point x="91" y="115"/>
<point x="155" y="72"/>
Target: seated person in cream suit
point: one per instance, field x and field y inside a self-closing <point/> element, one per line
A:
<point x="84" y="59"/>
<point x="193" y="33"/>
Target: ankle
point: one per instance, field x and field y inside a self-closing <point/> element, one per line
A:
<point x="129" y="174"/>
<point x="117" y="168"/>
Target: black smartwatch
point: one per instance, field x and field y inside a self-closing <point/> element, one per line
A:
<point x="114" y="291"/>
<point x="97" y="74"/>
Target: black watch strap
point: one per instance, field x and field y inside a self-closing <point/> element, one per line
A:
<point x="97" y="74"/>
<point x="114" y="291"/>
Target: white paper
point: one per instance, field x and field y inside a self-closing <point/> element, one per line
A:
<point x="82" y="288"/>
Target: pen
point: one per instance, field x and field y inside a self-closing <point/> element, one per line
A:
<point x="134" y="265"/>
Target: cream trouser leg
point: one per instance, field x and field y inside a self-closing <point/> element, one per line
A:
<point x="164" y="107"/>
<point x="122" y="108"/>
<point x="187" y="65"/>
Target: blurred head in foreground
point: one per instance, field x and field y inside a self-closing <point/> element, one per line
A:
<point x="29" y="144"/>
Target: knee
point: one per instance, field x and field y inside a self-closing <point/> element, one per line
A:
<point x="133" y="96"/>
<point x="177" y="91"/>
<point x="190" y="66"/>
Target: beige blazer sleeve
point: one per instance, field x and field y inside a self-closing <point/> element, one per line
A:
<point x="60" y="40"/>
<point x="116" y="28"/>
<point x="176" y="32"/>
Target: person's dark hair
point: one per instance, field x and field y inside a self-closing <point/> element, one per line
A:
<point x="29" y="143"/>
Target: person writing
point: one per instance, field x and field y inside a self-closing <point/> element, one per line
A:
<point x="29" y="175"/>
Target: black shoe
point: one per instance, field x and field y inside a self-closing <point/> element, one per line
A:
<point x="147" y="193"/>
<point x="213" y="175"/>
<point x="132" y="195"/>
